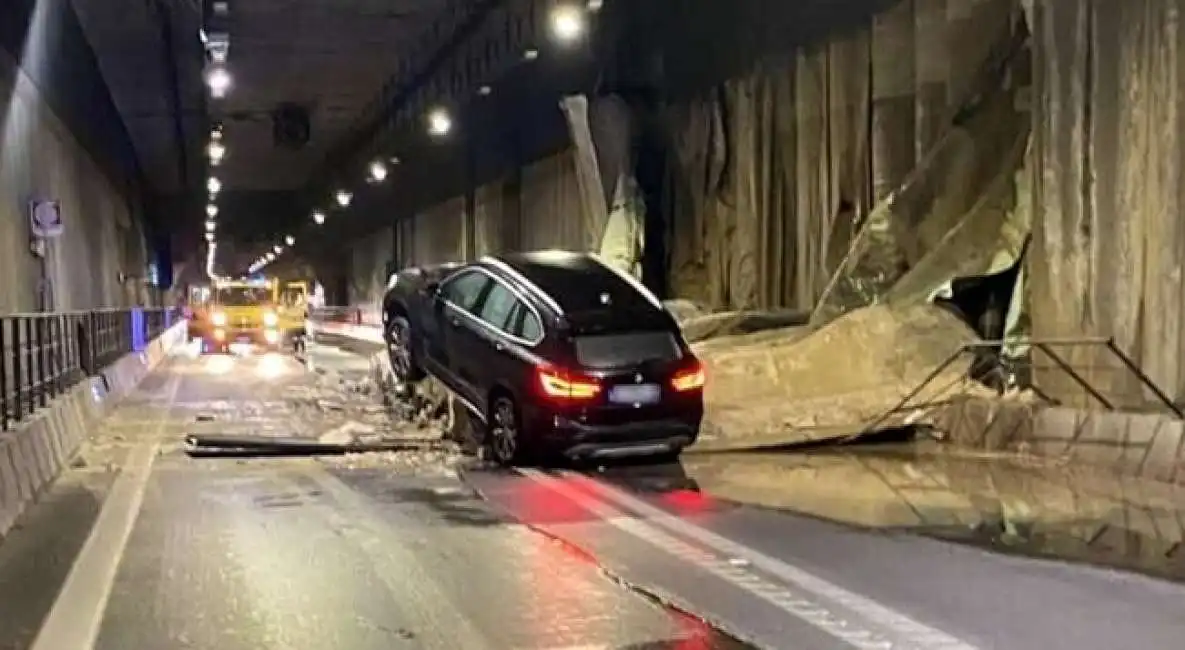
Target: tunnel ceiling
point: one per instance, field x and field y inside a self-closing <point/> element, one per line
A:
<point x="129" y="40"/>
<point x="324" y="59"/>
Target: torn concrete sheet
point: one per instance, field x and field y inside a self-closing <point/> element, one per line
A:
<point x="832" y="382"/>
<point x="731" y="323"/>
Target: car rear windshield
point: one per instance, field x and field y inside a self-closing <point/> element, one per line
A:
<point x="587" y="286"/>
<point x="626" y="349"/>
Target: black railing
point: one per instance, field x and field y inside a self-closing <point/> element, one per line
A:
<point x="1003" y="374"/>
<point x="44" y="355"/>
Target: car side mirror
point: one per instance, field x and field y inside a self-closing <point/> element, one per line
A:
<point x="432" y="288"/>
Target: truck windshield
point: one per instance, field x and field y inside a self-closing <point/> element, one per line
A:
<point x="242" y="296"/>
<point x="292" y="297"/>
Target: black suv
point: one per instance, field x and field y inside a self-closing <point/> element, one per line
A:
<point x="553" y="351"/>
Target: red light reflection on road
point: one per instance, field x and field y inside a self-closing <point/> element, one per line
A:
<point x="534" y="502"/>
<point x="687" y="502"/>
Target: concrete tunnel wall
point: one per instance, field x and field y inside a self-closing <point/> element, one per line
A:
<point x="42" y="155"/>
<point x="767" y="174"/>
<point x="800" y="149"/>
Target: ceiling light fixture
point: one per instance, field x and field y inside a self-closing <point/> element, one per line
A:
<point x="343" y="198"/>
<point x="485" y="90"/>
<point x="210" y="237"/>
<point x="214" y="185"/>
<point x="290" y="240"/>
<point x="531" y="54"/>
<point x="271" y="257"/>
<point x="567" y="23"/>
<point x="277" y="249"/>
<point x="210" y="226"/>
<point x="219" y="81"/>
<point x="378" y="171"/>
<point x="439" y="122"/>
<point x="318" y="217"/>
<point x="216" y="151"/>
<point x="211" y="210"/>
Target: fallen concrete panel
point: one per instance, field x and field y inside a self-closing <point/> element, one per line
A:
<point x="1149" y="445"/>
<point x="834" y="382"/>
<point x="35" y="452"/>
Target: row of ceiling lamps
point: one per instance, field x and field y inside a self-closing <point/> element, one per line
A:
<point x="217" y="46"/>
<point x="568" y="21"/>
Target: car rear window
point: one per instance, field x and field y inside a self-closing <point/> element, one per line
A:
<point x="587" y="286"/>
<point x="626" y="349"/>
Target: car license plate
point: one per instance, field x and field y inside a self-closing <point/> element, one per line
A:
<point x="635" y="394"/>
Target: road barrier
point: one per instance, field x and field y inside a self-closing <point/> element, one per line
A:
<point x="61" y="374"/>
<point x="350" y="322"/>
<point x="45" y="355"/>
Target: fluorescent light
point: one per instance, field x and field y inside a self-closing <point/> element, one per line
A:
<point x="567" y="23"/>
<point x="439" y="122"/>
<point x="378" y="171"/>
<point x="219" y="81"/>
<point x="216" y="150"/>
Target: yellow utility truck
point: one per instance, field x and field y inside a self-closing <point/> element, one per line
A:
<point x="266" y="312"/>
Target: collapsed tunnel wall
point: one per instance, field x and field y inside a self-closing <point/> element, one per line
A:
<point x="53" y="146"/>
<point x="1109" y="246"/>
<point x="770" y="174"/>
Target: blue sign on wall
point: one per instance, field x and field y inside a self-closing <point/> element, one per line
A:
<point x="139" y="335"/>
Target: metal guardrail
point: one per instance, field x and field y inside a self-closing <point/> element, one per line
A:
<point x="1017" y="373"/>
<point x="45" y="354"/>
<point x="345" y="315"/>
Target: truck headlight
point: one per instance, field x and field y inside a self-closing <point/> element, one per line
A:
<point x="219" y="319"/>
<point x="270" y="319"/>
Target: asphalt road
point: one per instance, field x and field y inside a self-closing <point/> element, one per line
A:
<point x="142" y="547"/>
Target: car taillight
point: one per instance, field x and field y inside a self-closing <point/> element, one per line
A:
<point x="689" y="379"/>
<point x="562" y="386"/>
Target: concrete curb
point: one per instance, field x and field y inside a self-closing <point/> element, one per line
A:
<point x="35" y="452"/>
<point x="1148" y="445"/>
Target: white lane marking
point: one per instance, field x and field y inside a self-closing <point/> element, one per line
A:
<point x="915" y="632"/>
<point x="78" y="611"/>
<point x="810" y="612"/>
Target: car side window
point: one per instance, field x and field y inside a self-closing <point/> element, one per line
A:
<point x="530" y="328"/>
<point x="465" y="290"/>
<point x="498" y="307"/>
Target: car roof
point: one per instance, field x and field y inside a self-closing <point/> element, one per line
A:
<point x="576" y="281"/>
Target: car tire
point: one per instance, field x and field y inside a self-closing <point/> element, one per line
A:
<point x="504" y="439"/>
<point x="401" y="353"/>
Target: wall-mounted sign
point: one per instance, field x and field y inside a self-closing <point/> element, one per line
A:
<point x="45" y="218"/>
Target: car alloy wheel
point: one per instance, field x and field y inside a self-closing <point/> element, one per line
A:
<point x="504" y="432"/>
<point x="399" y="349"/>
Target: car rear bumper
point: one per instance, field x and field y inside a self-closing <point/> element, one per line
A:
<point x="581" y="441"/>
